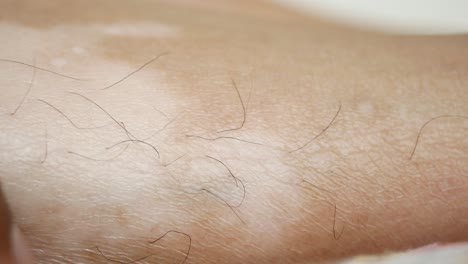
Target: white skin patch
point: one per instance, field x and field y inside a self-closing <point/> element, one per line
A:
<point x="78" y="50"/>
<point x="59" y="62"/>
<point x="137" y="29"/>
<point x="366" y="108"/>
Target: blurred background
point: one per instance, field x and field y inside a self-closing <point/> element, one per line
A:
<point x="394" y="16"/>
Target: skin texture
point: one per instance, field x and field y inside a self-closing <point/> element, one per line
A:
<point x="314" y="189"/>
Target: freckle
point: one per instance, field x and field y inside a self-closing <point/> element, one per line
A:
<point x="59" y="62"/>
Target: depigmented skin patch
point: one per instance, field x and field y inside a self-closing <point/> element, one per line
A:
<point x="145" y="30"/>
<point x="59" y="62"/>
<point x="295" y="82"/>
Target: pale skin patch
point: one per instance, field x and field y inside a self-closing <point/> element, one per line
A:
<point x="59" y="62"/>
<point x="114" y="204"/>
<point x="79" y="50"/>
<point x="366" y="108"/>
<point x="153" y="29"/>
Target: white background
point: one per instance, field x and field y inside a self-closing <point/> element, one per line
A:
<point x="401" y="16"/>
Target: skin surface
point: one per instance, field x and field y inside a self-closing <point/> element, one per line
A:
<point x="314" y="189"/>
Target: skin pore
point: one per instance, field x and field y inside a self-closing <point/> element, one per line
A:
<point x="260" y="136"/>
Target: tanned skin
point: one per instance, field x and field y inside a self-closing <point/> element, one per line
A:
<point x="226" y="132"/>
